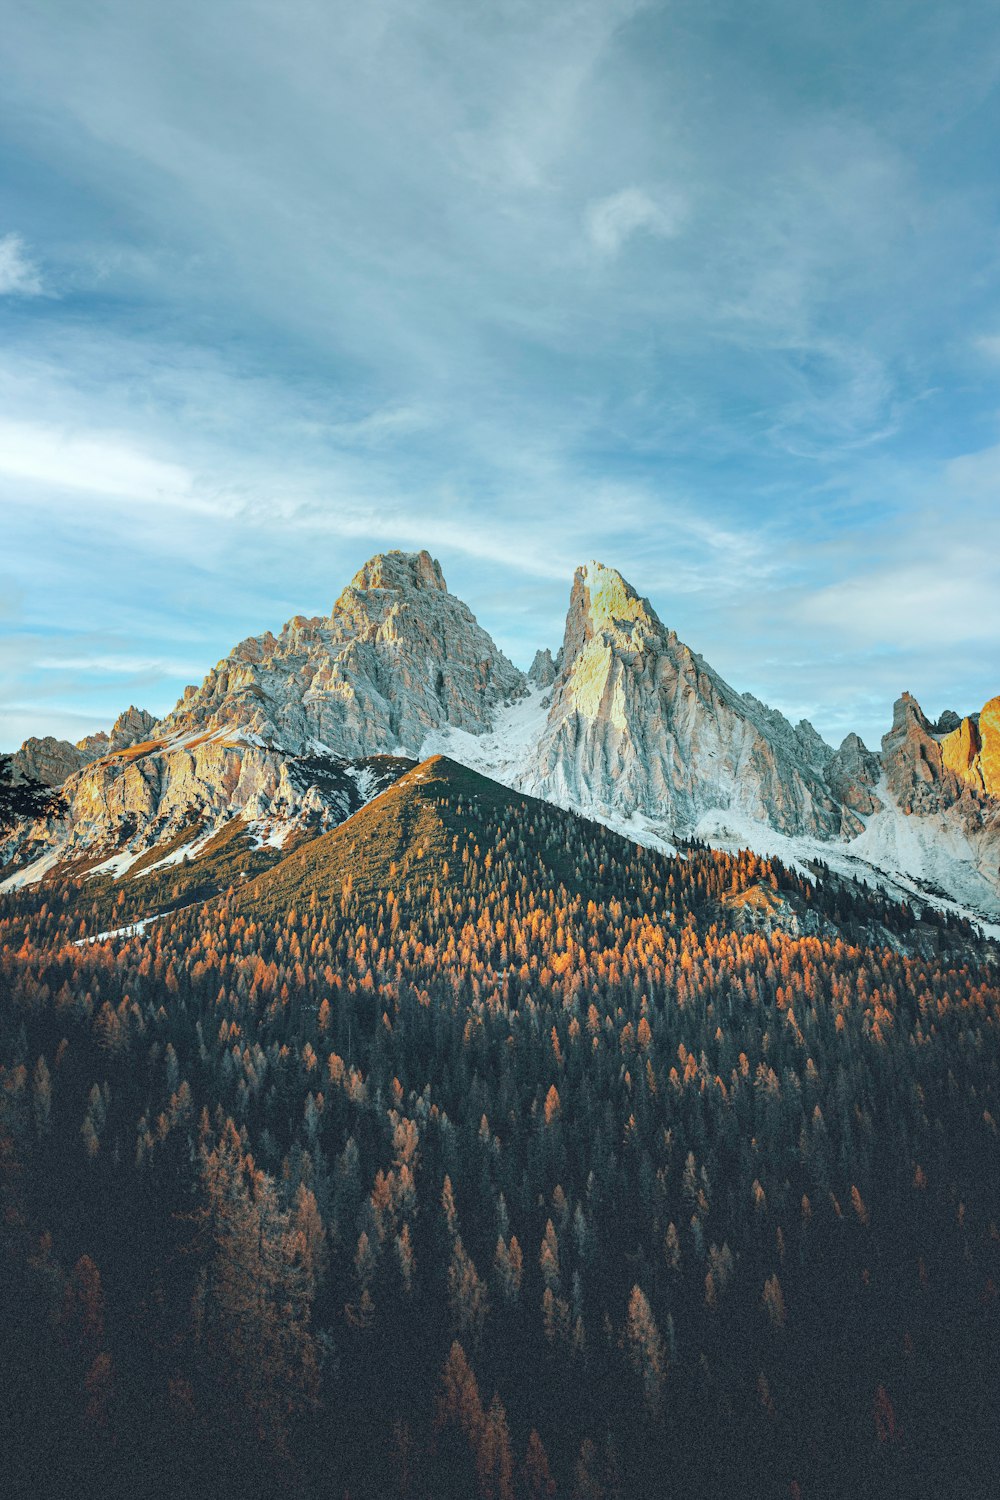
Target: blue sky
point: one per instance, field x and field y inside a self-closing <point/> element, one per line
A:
<point x="707" y="291"/>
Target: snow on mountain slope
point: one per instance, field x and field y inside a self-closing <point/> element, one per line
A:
<point x="507" y="754"/>
<point x="506" y="750"/>
<point x="936" y="851"/>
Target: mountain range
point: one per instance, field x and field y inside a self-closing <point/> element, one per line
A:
<point x="291" y="734"/>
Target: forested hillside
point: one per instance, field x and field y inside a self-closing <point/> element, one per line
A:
<point x="472" y="1150"/>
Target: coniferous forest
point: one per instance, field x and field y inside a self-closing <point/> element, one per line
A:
<point x="474" y="1151"/>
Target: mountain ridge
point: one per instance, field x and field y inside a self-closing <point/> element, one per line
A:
<point x="626" y="724"/>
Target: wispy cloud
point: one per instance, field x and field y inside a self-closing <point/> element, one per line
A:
<point x="19" y="275"/>
<point x="106" y="466"/>
<point x="613" y="220"/>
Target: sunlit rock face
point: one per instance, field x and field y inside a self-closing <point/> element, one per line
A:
<point x="398" y="657"/>
<point x="118" y="796"/>
<point x="130" y="728"/>
<point x="926" y="772"/>
<point x="639" y="723"/>
<point x="48" y="760"/>
<point x="51" y="761"/>
<point x="941" y="825"/>
<point x="989" y="753"/>
<point x="913" y="761"/>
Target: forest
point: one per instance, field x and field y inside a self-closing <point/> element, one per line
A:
<point x="475" y="1151"/>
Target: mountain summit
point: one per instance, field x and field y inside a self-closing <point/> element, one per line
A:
<point x="640" y="724"/>
<point x="398" y="656"/>
<point x="400" y="571"/>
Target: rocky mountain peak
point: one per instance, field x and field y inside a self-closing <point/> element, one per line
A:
<point x="398" y="658"/>
<point x="130" y="728"/>
<point x="907" y="714"/>
<point x="544" y="670"/>
<point x="852" y="774"/>
<point x="52" y="761"/>
<point x="917" y="771"/>
<point x="401" y="571"/>
<point x="602" y="603"/>
<point x="639" y="724"/>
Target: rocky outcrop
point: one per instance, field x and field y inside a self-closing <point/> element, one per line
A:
<point x="130" y="728"/>
<point x="543" y="670"/>
<point x="852" y="774"/>
<point x="938" y="826"/>
<point x="960" y="752"/>
<point x="51" y="761"/>
<point x="923" y="773"/>
<point x="48" y="760"/>
<point x="639" y="723"/>
<point x="398" y="658"/>
<point x="760" y="908"/>
<point x="912" y="758"/>
<point x="989" y="747"/>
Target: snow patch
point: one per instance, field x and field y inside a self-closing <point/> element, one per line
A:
<point x="366" y="781"/>
<point x="134" y="929"/>
<point x="270" y="834"/>
<point x="177" y="856"/>
<point x="504" y="753"/>
<point x="34" y="872"/>
<point x="116" y="864"/>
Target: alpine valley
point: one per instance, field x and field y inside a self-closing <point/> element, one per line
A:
<point x="292" y="733"/>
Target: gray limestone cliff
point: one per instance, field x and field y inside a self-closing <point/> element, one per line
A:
<point x="398" y="657"/>
<point x="639" y="723"/>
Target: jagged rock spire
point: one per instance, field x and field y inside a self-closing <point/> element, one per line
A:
<point x="638" y="723"/>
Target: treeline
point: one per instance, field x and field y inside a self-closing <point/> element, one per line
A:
<point x="524" y="1176"/>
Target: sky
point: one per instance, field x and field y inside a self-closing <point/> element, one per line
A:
<point x="707" y="291"/>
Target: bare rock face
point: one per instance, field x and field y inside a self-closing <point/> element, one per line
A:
<point x="639" y="723"/>
<point x="398" y="657"/>
<point x="852" y="775"/>
<point x="917" y="773"/>
<point x="51" y="761"/>
<point x="940" y="826"/>
<point x="48" y="760"/>
<point x="960" y="752"/>
<point x="759" y="908"/>
<point x="543" y="670"/>
<point x="130" y="728"/>
<point x="989" y="753"/>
